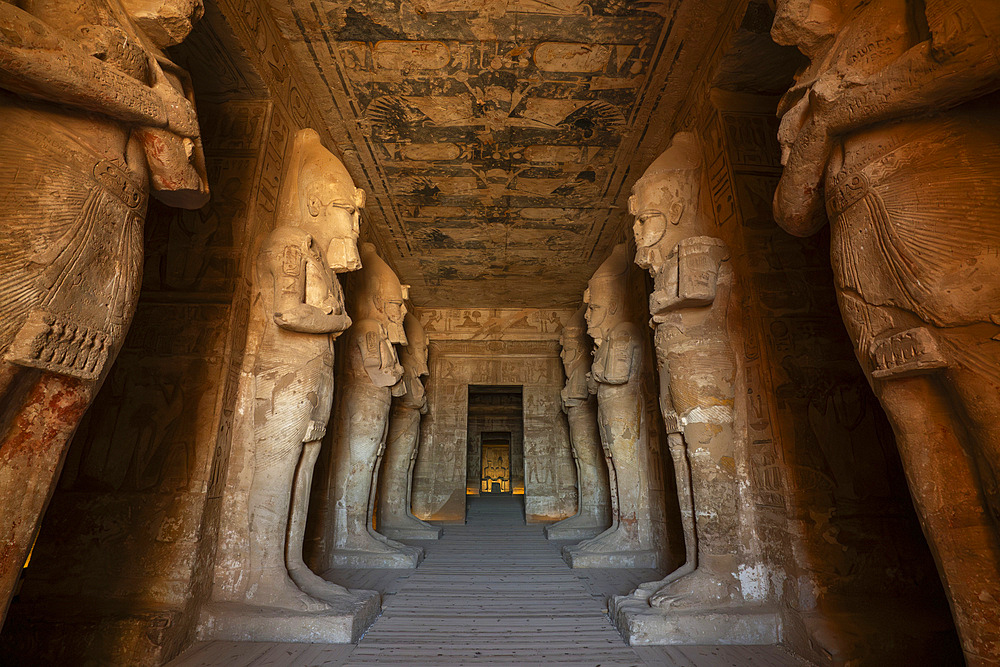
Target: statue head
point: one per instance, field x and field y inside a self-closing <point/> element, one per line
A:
<point x="806" y="24"/>
<point x="664" y="201"/>
<point x="381" y="296"/>
<point x="320" y="197"/>
<point x="414" y="355"/>
<point x="165" y="22"/>
<point x="605" y="295"/>
<point x="573" y="339"/>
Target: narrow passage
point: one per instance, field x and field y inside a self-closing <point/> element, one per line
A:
<point x="492" y="591"/>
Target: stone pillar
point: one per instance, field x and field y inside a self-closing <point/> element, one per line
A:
<point x="898" y="148"/>
<point x="634" y="538"/>
<point x="395" y="519"/>
<point x="88" y="132"/>
<point x="593" y="514"/>
<point x="692" y="280"/>
<point x="301" y="311"/>
<point x="372" y="375"/>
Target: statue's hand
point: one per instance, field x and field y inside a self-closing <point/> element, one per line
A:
<point x="182" y="119"/>
<point x="799" y="206"/>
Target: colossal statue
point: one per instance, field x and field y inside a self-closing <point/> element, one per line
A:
<point x="300" y="306"/>
<point x="94" y="119"/>
<point x="303" y="306"/>
<point x="893" y="126"/>
<point x="395" y="519"/>
<point x="593" y="514"/>
<point x="692" y="279"/>
<point x="633" y="540"/>
<point x="372" y="375"/>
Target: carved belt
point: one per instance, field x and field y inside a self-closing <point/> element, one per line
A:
<point x="911" y="352"/>
<point x="847" y="194"/>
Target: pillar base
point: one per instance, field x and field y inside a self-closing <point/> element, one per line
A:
<point x="647" y="559"/>
<point x="642" y="625"/>
<point x="234" y="621"/>
<point x="571" y="532"/>
<point x="414" y="533"/>
<point x="402" y="559"/>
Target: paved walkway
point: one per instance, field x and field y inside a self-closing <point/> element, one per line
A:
<point x="493" y="591"/>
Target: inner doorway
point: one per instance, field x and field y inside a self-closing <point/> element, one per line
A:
<point x="495" y="456"/>
<point x="495" y="440"/>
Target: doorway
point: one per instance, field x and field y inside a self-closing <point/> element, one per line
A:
<point x="495" y="440"/>
<point x="495" y="456"/>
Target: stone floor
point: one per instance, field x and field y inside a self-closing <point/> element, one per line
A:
<point x="493" y="591"/>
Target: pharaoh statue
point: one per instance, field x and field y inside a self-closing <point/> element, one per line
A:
<point x="93" y="119"/>
<point x="593" y="513"/>
<point x="632" y="540"/>
<point x="372" y="375"/>
<point x="692" y="279"/>
<point x="395" y="519"/>
<point x="893" y="126"/>
<point x="301" y="307"/>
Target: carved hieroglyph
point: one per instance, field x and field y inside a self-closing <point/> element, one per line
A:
<point x="593" y="514"/>
<point x="692" y="278"/>
<point x="914" y="206"/>
<point x="395" y="519"/>
<point x="301" y="305"/>
<point x="372" y="375"/>
<point x="632" y="540"/>
<point x="93" y="118"/>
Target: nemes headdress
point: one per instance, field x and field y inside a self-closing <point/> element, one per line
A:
<point x="609" y="280"/>
<point x="682" y="155"/>
<point x="576" y="327"/>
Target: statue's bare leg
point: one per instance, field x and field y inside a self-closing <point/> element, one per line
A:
<point x="277" y="454"/>
<point x="303" y="577"/>
<point x="32" y="452"/>
<point x="944" y="484"/>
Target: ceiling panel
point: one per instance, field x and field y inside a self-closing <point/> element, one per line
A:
<point x="496" y="139"/>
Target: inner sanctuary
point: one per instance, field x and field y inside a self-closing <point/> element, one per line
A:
<point x="661" y="333"/>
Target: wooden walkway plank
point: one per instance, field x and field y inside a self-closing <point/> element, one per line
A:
<point x="491" y="592"/>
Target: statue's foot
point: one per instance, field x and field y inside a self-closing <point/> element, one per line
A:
<point x="701" y="588"/>
<point x="282" y="593"/>
<point x="585" y="544"/>
<point x="370" y="543"/>
<point x="318" y="587"/>
<point x="610" y="541"/>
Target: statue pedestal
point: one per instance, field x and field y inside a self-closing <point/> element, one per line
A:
<point x="411" y="532"/>
<point x="642" y="625"/>
<point x="579" y="527"/>
<point x="647" y="559"/>
<point x="344" y="624"/>
<point x="403" y="559"/>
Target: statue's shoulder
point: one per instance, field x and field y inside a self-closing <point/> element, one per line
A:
<point x="367" y="328"/>
<point x="624" y="331"/>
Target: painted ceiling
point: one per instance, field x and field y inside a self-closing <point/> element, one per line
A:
<point x="497" y="139"/>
